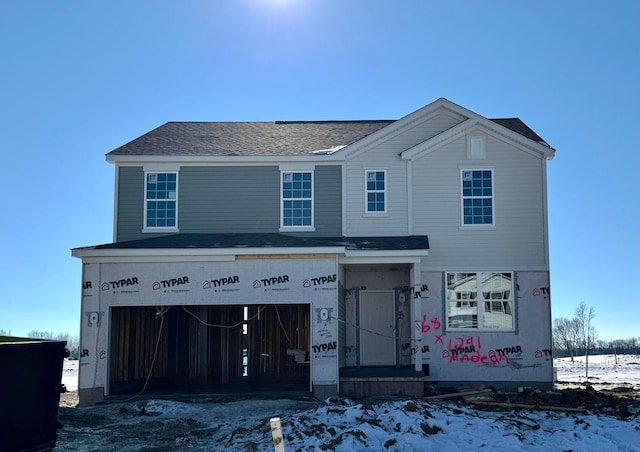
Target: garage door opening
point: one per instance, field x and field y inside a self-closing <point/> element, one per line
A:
<point x="209" y="348"/>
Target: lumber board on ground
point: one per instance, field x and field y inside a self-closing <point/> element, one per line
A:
<point x="531" y="407"/>
<point x="457" y="394"/>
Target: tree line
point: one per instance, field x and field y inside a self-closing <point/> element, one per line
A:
<point x="72" y="340"/>
<point x="578" y="336"/>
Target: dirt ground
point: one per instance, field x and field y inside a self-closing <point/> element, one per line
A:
<point x="150" y="424"/>
<point x="576" y="397"/>
<point x="613" y="400"/>
<point x="69" y="399"/>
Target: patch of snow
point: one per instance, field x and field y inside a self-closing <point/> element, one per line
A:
<point x="70" y="374"/>
<point x="345" y="425"/>
<point x="604" y="370"/>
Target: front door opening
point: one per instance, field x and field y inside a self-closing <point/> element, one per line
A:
<point x="377" y="328"/>
<point x="217" y="348"/>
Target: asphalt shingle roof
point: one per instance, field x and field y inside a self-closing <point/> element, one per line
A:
<point x="280" y="138"/>
<point x="273" y="240"/>
<point x="284" y="138"/>
<point x="517" y="126"/>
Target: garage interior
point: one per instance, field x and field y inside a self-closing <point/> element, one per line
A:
<point x="209" y="348"/>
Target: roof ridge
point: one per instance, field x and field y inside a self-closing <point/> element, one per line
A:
<point x="341" y="121"/>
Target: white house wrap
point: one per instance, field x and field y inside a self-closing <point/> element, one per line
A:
<point x="348" y="258"/>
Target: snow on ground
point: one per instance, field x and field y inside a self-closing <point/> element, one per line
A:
<point x="343" y="425"/>
<point x="604" y="370"/>
<point x="70" y="374"/>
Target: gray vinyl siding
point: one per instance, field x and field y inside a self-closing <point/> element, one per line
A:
<point x="130" y="205"/>
<point x="386" y="156"/>
<point x="394" y="221"/>
<point x="228" y="200"/>
<point x="328" y="201"/>
<point x="518" y="239"/>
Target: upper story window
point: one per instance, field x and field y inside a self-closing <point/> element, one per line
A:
<point x="477" y="197"/>
<point x="480" y="300"/>
<point x="161" y="198"/>
<point x="376" y="191"/>
<point x="297" y="199"/>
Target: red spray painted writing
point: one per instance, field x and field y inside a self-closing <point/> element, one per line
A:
<point x="469" y="350"/>
<point x="425" y="327"/>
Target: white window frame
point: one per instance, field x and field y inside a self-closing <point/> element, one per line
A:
<point x="296" y="228"/>
<point x="367" y="191"/>
<point x="491" y="225"/>
<point x="481" y="304"/>
<point x="146" y="228"/>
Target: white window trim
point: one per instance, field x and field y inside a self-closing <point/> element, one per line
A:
<point x="310" y="228"/>
<point x="376" y="213"/>
<point x="480" y="303"/>
<point x="160" y="170"/>
<point x="478" y="227"/>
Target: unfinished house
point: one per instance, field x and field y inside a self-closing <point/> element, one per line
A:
<point x="345" y="258"/>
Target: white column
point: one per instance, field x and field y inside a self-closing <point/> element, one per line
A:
<point x="416" y="312"/>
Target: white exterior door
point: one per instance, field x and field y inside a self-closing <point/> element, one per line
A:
<point x="377" y="328"/>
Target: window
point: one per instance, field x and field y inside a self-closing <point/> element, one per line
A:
<point x="297" y="199"/>
<point x="161" y="195"/>
<point x="477" y="197"/>
<point x="376" y="190"/>
<point x="496" y="308"/>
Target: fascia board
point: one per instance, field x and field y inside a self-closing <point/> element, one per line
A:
<point x="386" y="253"/>
<point x="229" y="254"/>
<point x="219" y="160"/>
<point x="352" y="260"/>
<point x="154" y="259"/>
<point x="403" y="124"/>
<point x="236" y="164"/>
<point x="490" y="268"/>
<point x="195" y="252"/>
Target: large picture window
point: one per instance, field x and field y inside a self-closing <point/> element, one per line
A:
<point x="480" y="300"/>
<point x="477" y="197"/>
<point x="297" y="199"/>
<point x="376" y="191"/>
<point x="161" y="197"/>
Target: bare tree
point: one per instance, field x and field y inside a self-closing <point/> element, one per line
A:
<point x="34" y="334"/>
<point x="73" y="341"/>
<point x="587" y="332"/>
<point x="564" y="337"/>
<point x="567" y="342"/>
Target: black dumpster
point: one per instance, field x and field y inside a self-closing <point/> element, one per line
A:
<point x="30" y="375"/>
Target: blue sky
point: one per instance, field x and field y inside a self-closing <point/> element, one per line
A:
<point x="79" y="79"/>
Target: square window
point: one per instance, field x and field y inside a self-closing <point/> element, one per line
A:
<point x="495" y="313"/>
